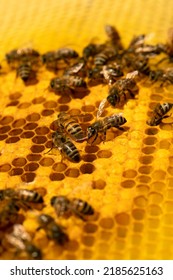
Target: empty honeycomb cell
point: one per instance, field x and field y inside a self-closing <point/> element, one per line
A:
<point x="170" y="170"/>
<point x="28" y="177"/>
<point x="33" y="157"/>
<point x="18" y="162"/>
<point x="168" y="206"/>
<point x="105" y="235"/>
<point x="146" y="159"/>
<point x="138" y="214"/>
<point x="3" y="136"/>
<point x="168" y="232"/>
<point x="6" y="120"/>
<point x="89" y="157"/>
<point x="64" y="99"/>
<point x="88" y="108"/>
<point x="170" y="194"/>
<point x="138" y="227"/>
<point x="151" y="131"/>
<point x="154" y="197"/>
<point x="144" y="179"/>
<point x="121" y="232"/>
<point x="91" y="149"/>
<point x="150" y="140"/>
<point x="16" y="171"/>
<point x="50" y="104"/>
<point x="164" y="144"/>
<point x="104" y="154"/>
<point x="13" y="103"/>
<point x="15" y="95"/>
<point x="31" y="166"/>
<point x="39" y="139"/>
<point x="145" y="169"/>
<point x="88" y="240"/>
<point x="129" y="173"/>
<point x="34" y="117"/>
<point x="30" y="126"/>
<point x="37" y="149"/>
<point x="159" y="174"/>
<point x="27" y="134"/>
<point x="18" y="123"/>
<point x="46" y="113"/>
<point x="75" y="112"/>
<point x="16" y="131"/>
<point x="62" y="108"/>
<point x="158" y="186"/>
<point x="122" y="219"/>
<point x="56" y="176"/>
<point x="72" y="172"/>
<point x="87" y="254"/>
<point x="140" y="201"/>
<point x="148" y="150"/>
<point x="170" y="160"/>
<point x="127" y="184"/>
<point x="156" y="97"/>
<point x="59" y="167"/>
<point x="24" y="105"/>
<point x="154" y="210"/>
<point x="167" y="127"/>
<point x="11" y="140"/>
<point x="42" y="130"/>
<point x="38" y="100"/>
<point x="168" y="219"/>
<point x="98" y="184"/>
<point x="47" y="161"/>
<point x="90" y="228"/>
<point x="153" y="223"/>
<point x="87" y="118"/>
<point x="5" y="167"/>
<point x="106" y="223"/>
<point x="87" y="168"/>
<point x="4" y="129"/>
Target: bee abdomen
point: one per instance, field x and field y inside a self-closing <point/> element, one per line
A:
<point x="75" y="130"/>
<point x="71" y="151"/>
<point x="30" y="196"/>
<point x="24" y="72"/>
<point x="83" y="207"/>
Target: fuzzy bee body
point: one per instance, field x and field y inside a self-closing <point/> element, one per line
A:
<point x="61" y="205"/>
<point x="21" y="194"/>
<point x="67" y="83"/>
<point x="65" y="53"/>
<point x="111" y="73"/>
<point x="24" y="71"/>
<point x="103" y="57"/>
<point x="81" y="207"/>
<point x="91" y="50"/>
<point x="159" y="113"/>
<point x="52" y="229"/>
<point x="114" y="36"/>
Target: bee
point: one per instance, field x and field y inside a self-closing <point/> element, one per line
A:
<point x="114" y="36"/>
<point x="21" y="194"/>
<point x="159" y="113"/>
<point x="162" y="75"/>
<point x="121" y="87"/>
<point x="150" y="50"/>
<point x="52" y="229"/>
<point x="95" y="76"/>
<point x="22" y="55"/>
<point x="111" y="72"/>
<point x="21" y="240"/>
<point x="102" y="126"/>
<point x="168" y="47"/>
<point x="103" y="57"/>
<point x="69" y="124"/>
<point x="67" y="84"/>
<point x="9" y="214"/>
<point x="64" y="207"/>
<point x="78" y="69"/>
<point x="65" y="54"/>
<point x="91" y="50"/>
<point x="65" y="146"/>
<point x="25" y="72"/>
<point x="136" y="42"/>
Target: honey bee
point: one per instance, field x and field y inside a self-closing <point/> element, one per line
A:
<point x="136" y="42"/>
<point x="64" y="207"/>
<point x="67" y="84"/>
<point x="52" y="229"/>
<point x="25" y="72"/>
<point x="114" y="36"/>
<point x="71" y="126"/>
<point x="21" y="194"/>
<point x="21" y="240"/>
<point x="162" y="75"/>
<point x="150" y="50"/>
<point x="9" y="214"/>
<point x="95" y="76"/>
<point x="91" y="50"/>
<point x="111" y="72"/>
<point x="65" y="146"/>
<point x="65" y="54"/>
<point x="101" y="126"/>
<point x="103" y="57"/>
<point x="121" y="87"/>
<point x="23" y="55"/>
<point x="78" y="69"/>
<point x="159" y="113"/>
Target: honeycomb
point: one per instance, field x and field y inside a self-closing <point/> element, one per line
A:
<point x="128" y="178"/>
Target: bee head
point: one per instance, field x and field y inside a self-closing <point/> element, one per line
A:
<point x="91" y="131"/>
<point x="52" y="83"/>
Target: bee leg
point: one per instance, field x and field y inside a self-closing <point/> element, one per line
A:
<point x="120" y="128"/>
<point x="95" y="138"/>
<point x="131" y="93"/>
<point x="103" y="137"/>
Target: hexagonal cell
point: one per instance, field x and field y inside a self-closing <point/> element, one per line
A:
<point x="18" y="123"/>
<point x="88" y="108"/>
<point x="155" y="198"/>
<point x="91" y="149"/>
<point x="106" y="223"/>
<point x="121" y="232"/>
<point x="59" y="167"/>
<point x="56" y="176"/>
<point x="148" y="150"/>
<point x="39" y="139"/>
<point x="13" y="103"/>
<point x="138" y="214"/>
<point x="122" y="219"/>
<point x="62" y="108"/>
<point x="11" y="140"/>
<point x="16" y="171"/>
<point x="104" y="154"/>
<point x="18" y="162"/>
<point x="4" y="129"/>
<point x="28" y="177"/>
<point x="89" y="157"/>
<point x="33" y="157"/>
<point x="3" y="136"/>
<point x="24" y="105"/>
<point x="34" y="117"/>
<point x="145" y="169"/>
<point x="5" y="167"/>
<point x="166" y="126"/>
<point x="164" y="144"/>
<point x="151" y="131"/>
<point x="50" y="104"/>
<point x="15" y="132"/>
<point x="87" y="168"/>
<point x="154" y="210"/>
<point x="33" y="166"/>
<point x="15" y="95"/>
<point x="140" y="201"/>
<point x="159" y="174"/>
<point x="42" y="130"/>
<point x="128" y="184"/>
<point x="150" y="140"/>
<point x="87" y="118"/>
<point x="30" y="126"/>
<point x="88" y="240"/>
<point x="6" y="120"/>
<point x="64" y="99"/>
<point x="27" y="134"/>
<point x="46" y="161"/>
<point x="72" y="172"/>
<point x="98" y="184"/>
<point x="170" y="170"/>
<point x="36" y="149"/>
<point x="38" y="100"/>
<point x="90" y="228"/>
<point x="156" y="97"/>
<point x="129" y="173"/>
<point x="47" y="112"/>
<point x="146" y="159"/>
<point x="144" y="179"/>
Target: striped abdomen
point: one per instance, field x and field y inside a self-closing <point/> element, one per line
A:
<point x="29" y="196"/>
<point x="24" y="71"/>
<point x="70" y="150"/>
<point x="74" y="129"/>
<point x="82" y="207"/>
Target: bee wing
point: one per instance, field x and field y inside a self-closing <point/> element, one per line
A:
<point x="20" y="232"/>
<point x="101" y="107"/>
<point x="132" y="75"/>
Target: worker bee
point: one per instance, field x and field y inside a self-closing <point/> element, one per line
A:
<point x="21" y="240"/>
<point x="67" y="84"/>
<point x="111" y="72"/>
<point x="21" y="194"/>
<point x="114" y="36"/>
<point x="162" y="75"/>
<point x="103" y="57"/>
<point x="52" y="229"/>
<point x="159" y="113"/>
<point x="78" y="68"/>
<point x="150" y="50"/>
<point x="25" y="72"/>
<point x="95" y="76"/>
<point x="91" y="50"/>
<point x="9" y="214"/>
<point x="23" y="55"/>
<point x="65" y="146"/>
<point x="71" y="126"/>
<point x="102" y="126"/>
<point x="136" y="42"/>
<point x="66" y="54"/>
<point x="64" y="207"/>
<point x="121" y="87"/>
